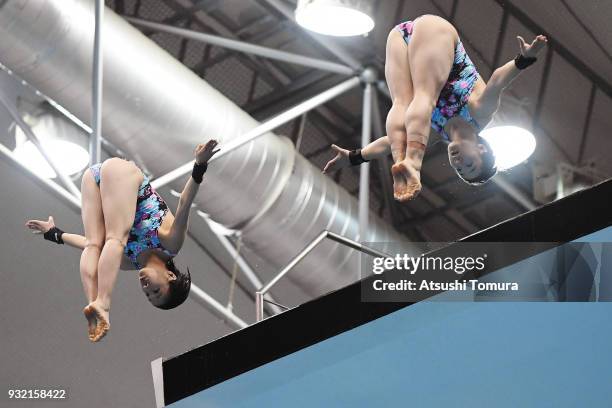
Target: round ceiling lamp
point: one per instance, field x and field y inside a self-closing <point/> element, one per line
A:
<point x="61" y="141"/>
<point x="511" y="145"/>
<point x="341" y="18"/>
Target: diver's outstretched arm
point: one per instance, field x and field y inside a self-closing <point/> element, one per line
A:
<point x="375" y="150"/>
<point x="58" y="236"/>
<point x="203" y="154"/>
<point x="503" y="76"/>
<point x="70" y="239"/>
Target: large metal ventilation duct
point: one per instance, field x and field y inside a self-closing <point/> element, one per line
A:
<point x="157" y="110"/>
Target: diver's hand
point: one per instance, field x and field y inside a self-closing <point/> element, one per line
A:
<point x="203" y="152"/>
<point x="533" y="49"/>
<point x="339" y="162"/>
<point x="40" y="227"/>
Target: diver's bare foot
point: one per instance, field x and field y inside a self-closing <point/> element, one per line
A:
<point x="406" y="181"/>
<point x="102" y="320"/>
<point x="91" y="321"/>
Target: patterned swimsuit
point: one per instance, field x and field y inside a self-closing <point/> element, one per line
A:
<point x="454" y="96"/>
<point x="150" y="212"/>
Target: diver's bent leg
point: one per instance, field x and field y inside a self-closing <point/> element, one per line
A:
<point x="399" y="81"/>
<point x="93" y="224"/>
<point x="119" y="192"/>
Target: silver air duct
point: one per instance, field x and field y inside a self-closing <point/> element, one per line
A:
<point x="157" y="110"/>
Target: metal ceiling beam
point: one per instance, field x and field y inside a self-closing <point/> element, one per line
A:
<point x="182" y="12"/>
<point x="302" y="87"/>
<point x="587" y="30"/>
<point x="331" y="46"/>
<point x="459" y="204"/>
<point x="66" y="181"/>
<point x="535" y="125"/>
<point x="263" y="128"/>
<point x="461" y="34"/>
<point x="244" y="47"/>
<point x="327" y="122"/>
<point x="514" y="192"/>
<point x="54" y="188"/>
<point x="298" y="132"/>
<point x="207" y="22"/>
<point x="500" y="38"/>
<point x="275" y="76"/>
<point x="256" y="22"/>
<point x="271" y="74"/>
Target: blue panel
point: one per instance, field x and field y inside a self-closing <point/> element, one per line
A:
<point x="501" y="354"/>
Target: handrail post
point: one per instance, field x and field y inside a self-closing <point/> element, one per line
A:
<point x="259" y="295"/>
<point x="259" y="306"/>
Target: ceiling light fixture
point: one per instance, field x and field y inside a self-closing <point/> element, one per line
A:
<point x="511" y="145"/>
<point x="62" y="141"/>
<point x="340" y="18"/>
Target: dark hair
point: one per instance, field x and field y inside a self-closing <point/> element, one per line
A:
<point x="488" y="168"/>
<point x="179" y="288"/>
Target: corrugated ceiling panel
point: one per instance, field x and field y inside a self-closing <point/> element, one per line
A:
<point x="564" y="106"/>
<point x="484" y="34"/>
<point x="558" y="21"/>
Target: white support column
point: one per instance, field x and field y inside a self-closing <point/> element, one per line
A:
<point x="364" y="169"/>
<point x="96" y="88"/>
<point x="262" y="129"/>
<point x="368" y="77"/>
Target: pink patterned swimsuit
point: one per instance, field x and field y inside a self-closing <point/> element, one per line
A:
<point x="454" y="96"/>
<point x="150" y="212"/>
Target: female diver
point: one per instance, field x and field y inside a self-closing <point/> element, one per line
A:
<point x="129" y="226"/>
<point x="434" y="83"/>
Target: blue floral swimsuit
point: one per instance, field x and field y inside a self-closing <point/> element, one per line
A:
<point x="150" y="212"/>
<point x="454" y="96"/>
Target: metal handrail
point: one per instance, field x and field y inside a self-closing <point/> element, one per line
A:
<point x="259" y="295"/>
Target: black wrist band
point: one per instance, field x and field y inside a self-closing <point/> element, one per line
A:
<point x="523" y="62"/>
<point x="198" y="171"/>
<point x="54" y="235"/>
<point x="356" y="158"/>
